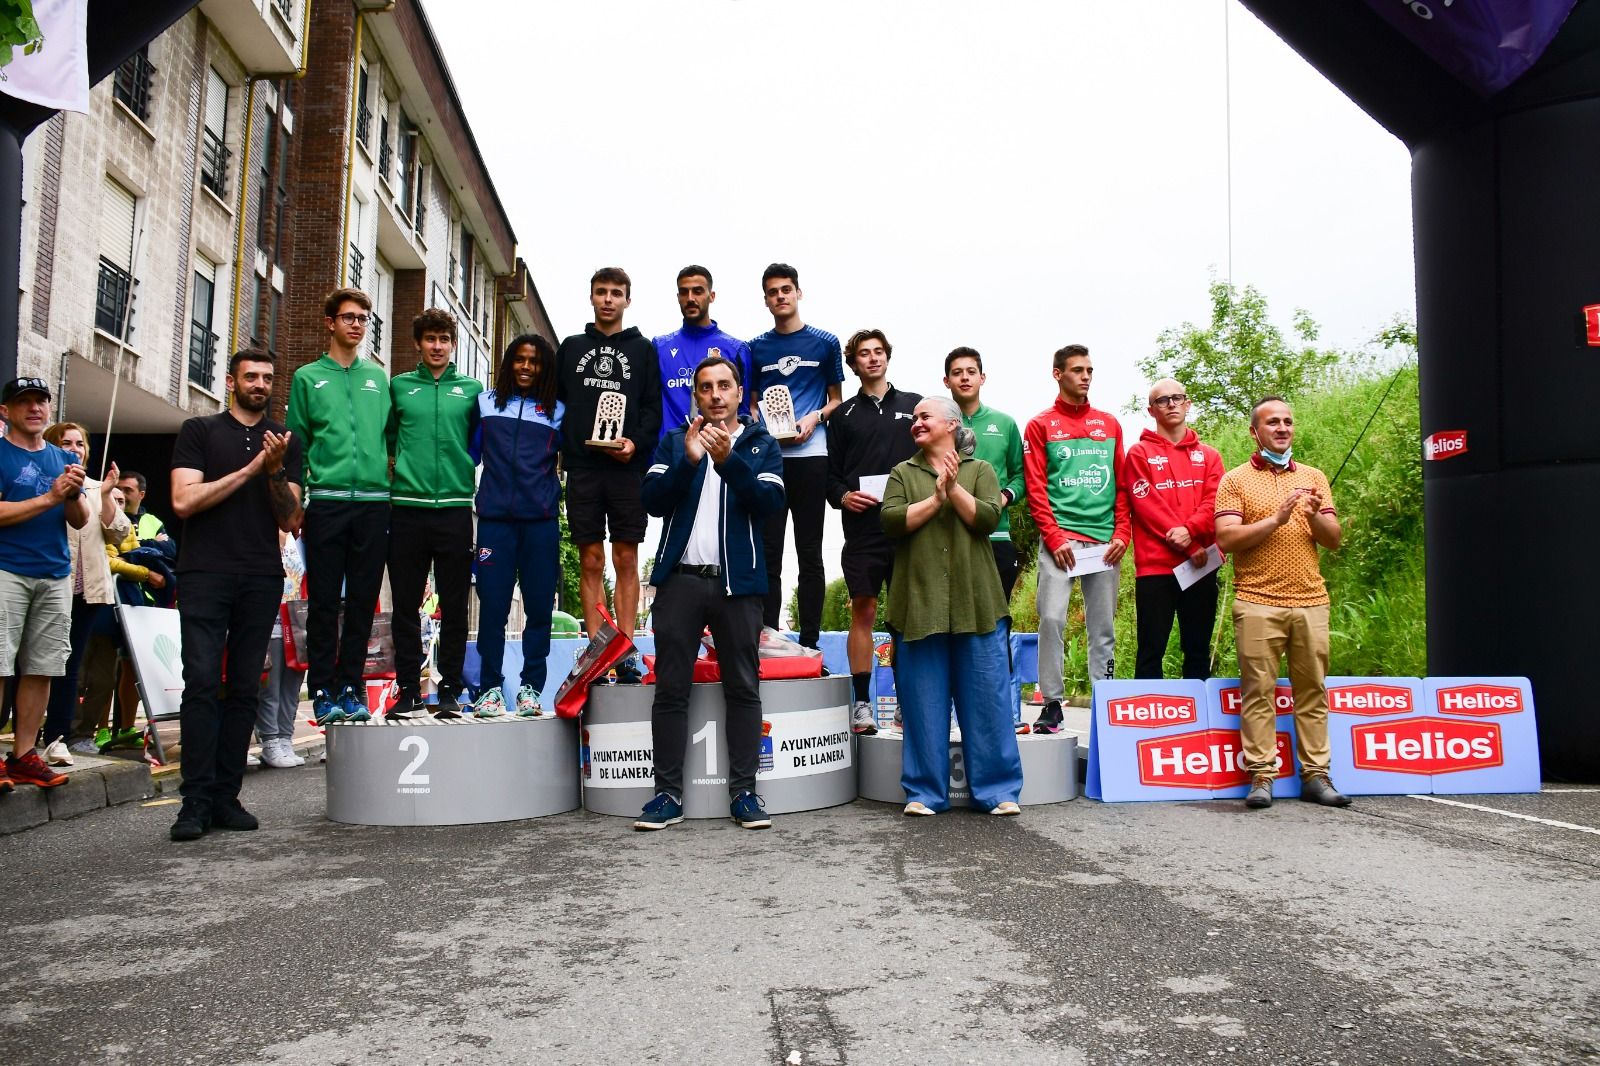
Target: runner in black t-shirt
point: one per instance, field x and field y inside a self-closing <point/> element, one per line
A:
<point x="235" y="483"/>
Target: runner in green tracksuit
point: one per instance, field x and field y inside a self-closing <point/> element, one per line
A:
<point x="339" y="408"/>
<point x="434" y="413"/>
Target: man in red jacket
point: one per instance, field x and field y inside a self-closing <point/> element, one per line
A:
<point x="1171" y="484"/>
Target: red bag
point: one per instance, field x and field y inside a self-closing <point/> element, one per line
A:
<point x="605" y="648"/>
<point x="785" y="668"/>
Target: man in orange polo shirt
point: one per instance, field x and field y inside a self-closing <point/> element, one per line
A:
<point x="1272" y="515"/>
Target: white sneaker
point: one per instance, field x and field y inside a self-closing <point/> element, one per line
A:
<point x="277" y="754"/>
<point x="861" y="723"/>
<point x="252" y="759"/>
<point x="57" y="754"/>
<point x="85" y="746"/>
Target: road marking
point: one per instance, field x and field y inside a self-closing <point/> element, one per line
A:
<point x="1509" y="814"/>
<point x="1568" y="791"/>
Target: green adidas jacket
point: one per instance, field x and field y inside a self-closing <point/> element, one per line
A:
<point x="430" y="429"/>
<point x="340" y="416"/>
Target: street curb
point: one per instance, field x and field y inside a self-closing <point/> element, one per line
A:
<point x="88" y="788"/>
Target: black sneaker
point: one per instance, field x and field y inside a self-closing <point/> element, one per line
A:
<point x="659" y="813"/>
<point x="233" y="816"/>
<point x="409" y="705"/>
<point x="194" y="818"/>
<point x="628" y="672"/>
<point x="747" y="810"/>
<point x="1050" y="718"/>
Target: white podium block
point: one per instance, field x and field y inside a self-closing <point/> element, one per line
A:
<point x="452" y="773"/>
<point x="807" y="759"/>
<point x="1049" y="769"/>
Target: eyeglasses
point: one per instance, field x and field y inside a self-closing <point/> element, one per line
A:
<point x="1169" y="401"/>
<point x="350" y="318"/>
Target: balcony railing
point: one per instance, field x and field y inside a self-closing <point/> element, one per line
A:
<point x="375" y="333"/>
<point x="364" y="125"/>
<point x="214" y="156"/>
<point x="202" y="354"/>
<point x="132" y="83"/>
<point x="113" y="301"/>
<point x="385" y="153"/>
<point x="357" y="261"/>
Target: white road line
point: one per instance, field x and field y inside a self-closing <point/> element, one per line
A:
<point x="1568" y="791"/>
<point x="1509" y="814"/>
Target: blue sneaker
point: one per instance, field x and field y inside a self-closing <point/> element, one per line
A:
<point x="354" y="707"/>
<point x="627" y="670"/>
<point x="325" y="709"/>
<point x="660" y="813"/>
<point x="747" y="810"/>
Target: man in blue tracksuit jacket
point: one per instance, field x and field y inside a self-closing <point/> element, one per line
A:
<point x="680" y="351"/>
<point x="715" y="481"/>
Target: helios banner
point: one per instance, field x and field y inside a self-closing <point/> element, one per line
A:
<point x="1179" y="740"/>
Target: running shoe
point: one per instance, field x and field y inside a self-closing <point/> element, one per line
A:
<point x="5" y="781"/>
<point x="85" y="746"/>
<point x="861" y="723"/>
<point x="102" y="737"/>
<point x="490" y="704"/>
<point x="628" y="672"/>
<point x="31" y="770"/>
<point x="124" y="739"/>
<point x="57" y="753"/>
<point x="325" y="708"/>
<point x="528" y="705"/>
<point x="747" y="810"/>
<point x="354" y="707"/>
<point x="1050" y="718"/>
<point x="409" y="705"/>
<point x="659" y="813"/>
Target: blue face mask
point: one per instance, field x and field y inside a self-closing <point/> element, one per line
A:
<point x="1275" y="459"/>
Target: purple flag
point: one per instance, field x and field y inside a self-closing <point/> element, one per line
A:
<point x="1486" y="43"/>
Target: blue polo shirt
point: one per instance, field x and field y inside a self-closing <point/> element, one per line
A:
<point x="37" y="547"/>
<point x="679" y="353"/>
<point x="807" y="361"/>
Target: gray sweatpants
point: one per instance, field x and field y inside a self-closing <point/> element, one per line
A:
<point x="1100" y="614"/>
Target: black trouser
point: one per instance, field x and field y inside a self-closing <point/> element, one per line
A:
<point x="1156" y="599"/>
<point x="420" y="539"/>
<point x="1005" y="561"/>
<point x="683" y="607"/>
<point x="805" y="481"/>
<point x="345" y="546"/>
<point x="221" y="615"/>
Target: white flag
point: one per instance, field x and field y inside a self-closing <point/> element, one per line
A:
<point x="57" y="73"/>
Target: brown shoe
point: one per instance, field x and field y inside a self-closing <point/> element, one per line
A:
<point x="1260" y="795"/>
<point x="1318" y="789"/>
<point x="31" y="770"/>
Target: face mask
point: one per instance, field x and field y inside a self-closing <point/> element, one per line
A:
<point x="1275" y="459"/>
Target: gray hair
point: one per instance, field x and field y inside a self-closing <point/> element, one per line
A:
<point x="966" y="440"/>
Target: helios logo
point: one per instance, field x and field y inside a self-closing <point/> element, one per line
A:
<point x="1370" y="700"/>
<point x="1282" y="700"/>
<point x="1445" y="444"/>
<point x="1426" y="746"/>
<point x="1152" y="712"/>
<point x="1210" y="758"/>
<point x="1481" y="700"/>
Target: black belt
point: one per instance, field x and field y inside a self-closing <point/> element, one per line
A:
<point x="698" y="571"/>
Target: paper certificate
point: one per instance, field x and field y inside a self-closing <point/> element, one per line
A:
<point x="1188" y="573"/>
<point x="1088" y="559"/>
<point x="874" y="485"/>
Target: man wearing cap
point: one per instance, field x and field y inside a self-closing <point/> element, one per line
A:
<point x="41" y="492"/>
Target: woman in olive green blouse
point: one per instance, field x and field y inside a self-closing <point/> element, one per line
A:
<point x="949" y="617"/>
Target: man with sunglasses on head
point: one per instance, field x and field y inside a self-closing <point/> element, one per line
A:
<point x="339" y="410"/>
<point x="1171" y="485"/>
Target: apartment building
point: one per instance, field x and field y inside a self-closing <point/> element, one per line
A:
<point x="231" y="173"/>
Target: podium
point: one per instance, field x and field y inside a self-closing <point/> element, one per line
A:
<point x="452" y="773"/>
<point x="1049" y="769"/>
<point x="807" y="758"/>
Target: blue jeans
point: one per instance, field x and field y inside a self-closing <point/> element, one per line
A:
<point x="526" y="554"/>
<point x="975" y="671"/>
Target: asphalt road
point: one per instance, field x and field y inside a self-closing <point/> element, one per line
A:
<point x="1400" y="931"/>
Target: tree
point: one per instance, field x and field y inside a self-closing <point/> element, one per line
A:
<point x="1238" y="358"/>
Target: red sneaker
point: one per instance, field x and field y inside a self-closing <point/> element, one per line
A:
<point x="5" y="781"/>
<point x="31" y="770"/>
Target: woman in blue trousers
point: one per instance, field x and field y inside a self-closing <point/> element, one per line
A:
<point x="950" y="618"/>
<point x="519" y="537"/>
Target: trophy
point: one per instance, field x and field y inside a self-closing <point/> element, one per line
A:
<point x="608" y="415"/>
<point x="777" y="408"/>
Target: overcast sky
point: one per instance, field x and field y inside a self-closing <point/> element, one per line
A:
<point x="1009" y="176"/>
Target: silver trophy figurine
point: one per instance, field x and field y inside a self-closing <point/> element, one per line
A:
<point x="777" y="407"/>
<point x="608" y="416"/>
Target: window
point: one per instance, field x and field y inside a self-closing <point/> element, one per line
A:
<point x="357" y="230"/>
<point x="410" y="166"/>
<point x="202" y="339"/>
<point x="363" y="112"/>
<point x="132" y="83"/>
<point x="214" y="152"/>
<point x="385" y="152"/>
<point x="113" y="308"/>
<point x="382" y="298"/>
<point x="273" y="178"/>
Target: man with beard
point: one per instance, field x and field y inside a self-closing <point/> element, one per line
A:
<point x="235" y="484"/>
<point x="682" y="350"/>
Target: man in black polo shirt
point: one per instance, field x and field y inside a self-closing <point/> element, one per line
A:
<point x="867" y="435"/>
<point x="235" y="484"/>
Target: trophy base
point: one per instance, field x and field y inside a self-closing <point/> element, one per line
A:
<point x="613" y="445"/>
<point x="783" y="438"/>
